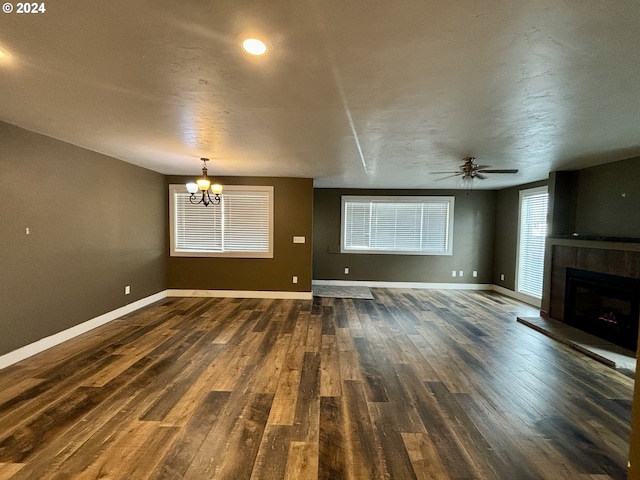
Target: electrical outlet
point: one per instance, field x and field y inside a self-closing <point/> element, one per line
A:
<point x="475" y="273"/>
<point x="454" y="273"/>
<point x="127" y="290"/>
<point x="295" y="279"/>
<point x="502" y="277"/>
<point x="460" y="273"/>
<point x="346" y="270"/>
<point x="27" y="231"/>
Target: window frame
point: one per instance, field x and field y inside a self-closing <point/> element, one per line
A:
<point x="522" y="195"/>
<point x="395" y="199"/>
<point x="180" y="188"/>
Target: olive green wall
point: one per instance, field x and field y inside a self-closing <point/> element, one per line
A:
<point x="506" y="234"/>
<point x="472" y="242"/>
<point x="608" y="199"/>
<point x="96" y="224"/>
<point x="293" y="207"/>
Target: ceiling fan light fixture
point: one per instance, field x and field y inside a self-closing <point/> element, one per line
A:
<point x="469" y="172"/>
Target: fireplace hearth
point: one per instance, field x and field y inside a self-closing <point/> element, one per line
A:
<point x="604" y="305"/>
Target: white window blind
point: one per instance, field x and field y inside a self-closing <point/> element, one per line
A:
<point x="241" y="226"/>
<point x="399" y="225"/>
<point x="533" y="233"/>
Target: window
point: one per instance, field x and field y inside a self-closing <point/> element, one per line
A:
<point x="532" y="234"/>
<point x="241" y="226"/>
<point x="397" y="225"/>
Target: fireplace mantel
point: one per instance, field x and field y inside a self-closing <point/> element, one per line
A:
<point x="603" y="243"/>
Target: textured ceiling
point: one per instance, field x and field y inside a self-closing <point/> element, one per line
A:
<point x="352" y="93"/>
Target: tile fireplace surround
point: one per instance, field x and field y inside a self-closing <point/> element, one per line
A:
<point x="610" y="257"/>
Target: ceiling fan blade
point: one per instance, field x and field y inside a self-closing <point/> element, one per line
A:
<point x="454" y="175"/>
<point x="439" y="173"/>
<point x="480" y="176"/>
<point x="497" y="171"/>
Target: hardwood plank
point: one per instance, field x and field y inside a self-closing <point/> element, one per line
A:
<point x="271" y="366"/>
<point x="136" y="448"/>
<point x="330" y="380"/>
<point x="307" y="415"/>
<point x="439" y="428"/>
<point x="363" y="448"/>
<point x="419" y="384"/>
<point x="286" y="396"/>
<point x="211" y="455"/>
<point x="283" y="410"/>
<point x="370" y="369"/>
<point x="332" y="442"/>
<point x="8" y="470"/>
<point x="396" y="458"/>
<point x="273" y="455"/>
<point x="302" y="461"/>
<point x="177" y="461"/>
<point x="244" y="440"/>
<point x="424" y="457"/>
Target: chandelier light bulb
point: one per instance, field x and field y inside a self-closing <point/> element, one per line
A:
<point x="203" y="184"/>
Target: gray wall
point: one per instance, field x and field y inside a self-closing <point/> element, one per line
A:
<point x="506" y="234"/>
<point x="293" y="209"/>
<point x="97" y="224"/>
<point x="608" y="199"/>
<point x="600" y="201"/>
<point x="472" y="242"/>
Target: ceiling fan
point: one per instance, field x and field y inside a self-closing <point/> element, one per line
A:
<point x="470" y="170"/>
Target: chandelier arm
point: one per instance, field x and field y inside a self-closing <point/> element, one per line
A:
<point x="206" y="199"/>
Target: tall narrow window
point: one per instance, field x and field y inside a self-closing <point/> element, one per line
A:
<point x="532" y="234"/>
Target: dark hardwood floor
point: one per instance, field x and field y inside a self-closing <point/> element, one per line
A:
<point x="418" y="384"/>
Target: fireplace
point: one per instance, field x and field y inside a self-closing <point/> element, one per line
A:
<point x="604" y="305"/>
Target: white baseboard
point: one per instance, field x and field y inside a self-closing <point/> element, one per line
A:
<point x="417" y="285"/>
<point x="533" y="301"/>
<point x="53" y="340"/>
<point x="240" y="294"/>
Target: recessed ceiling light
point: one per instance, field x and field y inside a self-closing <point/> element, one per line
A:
<point x="5" y="56"/>
<point x="253" y="46"/>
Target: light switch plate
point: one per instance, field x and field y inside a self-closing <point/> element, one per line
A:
<point x="299" y="239"/>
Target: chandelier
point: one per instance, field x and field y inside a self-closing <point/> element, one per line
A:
<point x="202" y="184"/>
